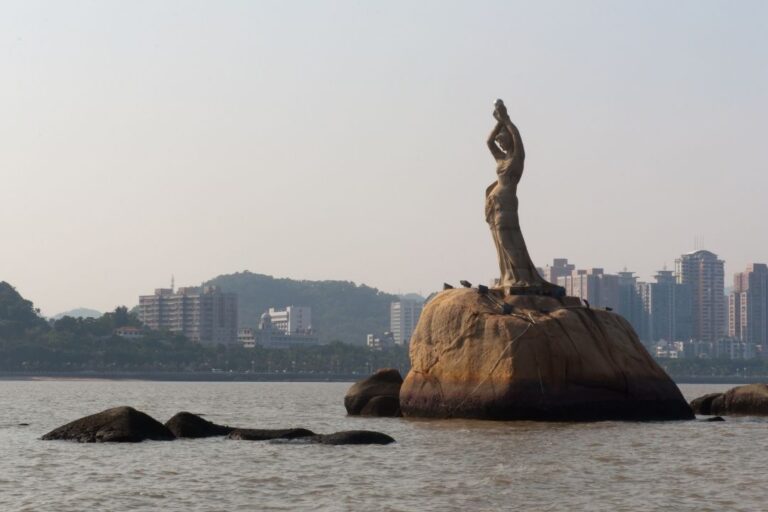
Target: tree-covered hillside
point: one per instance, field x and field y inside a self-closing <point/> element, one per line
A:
<point x="18" y="316"/>
<point x="341" y="310"/>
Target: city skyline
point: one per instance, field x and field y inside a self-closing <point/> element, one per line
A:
<point x="543" y="269"/>
<point x="197" y="141"/>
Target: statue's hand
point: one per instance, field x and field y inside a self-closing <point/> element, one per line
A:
<point x="500" y="112"/>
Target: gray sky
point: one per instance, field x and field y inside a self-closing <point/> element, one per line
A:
<point x="346" y="140"/>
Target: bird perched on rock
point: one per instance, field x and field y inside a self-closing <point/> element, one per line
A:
<point x="465" y="284"/>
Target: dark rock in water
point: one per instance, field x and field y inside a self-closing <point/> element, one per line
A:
<point x="354" y="437"/>
<point x="748" y="400"/>
<point x="377" y="395"/>
<point x="715" y="418"/>
<point x="186" y="424"/>
<point x="703" y="404"/>
<point x="117" y="425"/>
<point x="545" y="358"/>
<point x="253" y="434"/>
<point x="382" y="406"/>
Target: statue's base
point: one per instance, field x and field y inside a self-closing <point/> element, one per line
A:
<point x="545" y="290"/>
<point x="532" y="357"/>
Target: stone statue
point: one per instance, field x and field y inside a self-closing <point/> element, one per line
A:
<point x="524" y="350"/>
<point x="518" y="273"/>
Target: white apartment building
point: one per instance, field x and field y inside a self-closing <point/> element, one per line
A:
<point x="403" y="317"/>
<point x="291" y="320"/>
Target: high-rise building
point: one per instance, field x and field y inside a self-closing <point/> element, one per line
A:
<point x="748" y="305"/>
<point x="630" y="303"/>
<point x="594" y="286"/>
<point x="559" y="268"/>
<point x="203" y="314"/>
<point x="704" y="273"/>
<point x="403" y="316"/>
<point x="668" y="308"/>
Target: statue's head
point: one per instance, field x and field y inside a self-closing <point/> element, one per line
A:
<point x="504" y="141"/>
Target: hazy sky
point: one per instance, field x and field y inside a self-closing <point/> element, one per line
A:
<point x="346" y="140"/>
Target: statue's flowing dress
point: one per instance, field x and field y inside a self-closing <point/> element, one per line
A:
<point x="517" y="269"/>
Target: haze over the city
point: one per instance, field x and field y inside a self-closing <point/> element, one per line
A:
<point x="346" y="140"/>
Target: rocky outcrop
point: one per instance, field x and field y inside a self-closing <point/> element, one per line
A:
<point x="377" y="395"/>
<point x="254" y="434"/>
<point x="186" y="424"/>
<point x="117" y="425"/>
<point x="748" y="400"/>
<point x="354" y="437"/>
<point x="127" y="425"/>
<point x="547" y="359"/>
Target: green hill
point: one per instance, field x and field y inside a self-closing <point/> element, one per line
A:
<point x="341" y="310"/>
<point x="17" y="315"/>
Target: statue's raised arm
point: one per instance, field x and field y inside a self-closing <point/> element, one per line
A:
<point x="515" y="146"/>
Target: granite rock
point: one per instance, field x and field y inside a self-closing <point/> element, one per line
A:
<point x="549" y="359"/>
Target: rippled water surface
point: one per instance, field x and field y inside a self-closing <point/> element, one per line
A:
<point x="435" y="465"/>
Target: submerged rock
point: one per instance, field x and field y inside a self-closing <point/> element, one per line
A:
<point x="549" y="359"/>
<point x="715" y="418"/>
<point x="377" y="395"/>
<point x="748" y="400"/>
<point x="186" y="424"/>
<point x="337" y="438"/>
<point x="117" y="425"/>
<point x="254" y="434"/>
<point x="354" y="437"/>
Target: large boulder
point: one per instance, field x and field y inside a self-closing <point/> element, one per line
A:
<point x="377" y="395"/>
<point x="118" y="425"/>
<point x="549" y="359"/>
<point x="748" y="400"/>
<point x="186" y="424"/>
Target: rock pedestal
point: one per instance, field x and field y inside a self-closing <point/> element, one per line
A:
<point x="549" y="359"/>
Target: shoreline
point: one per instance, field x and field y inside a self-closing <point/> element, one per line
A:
<point x="183" y="376"/>
<point x="281" y="377"/>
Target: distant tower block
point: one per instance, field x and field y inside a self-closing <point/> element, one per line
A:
<point x="403" y="316"/>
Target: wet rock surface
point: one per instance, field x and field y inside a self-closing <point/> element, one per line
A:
<point x="382" y="407"/>
<point x="703" y="404"/>
<point x="116" y="425"/>
<point x="255" y="434"/>
<point x="748" y="400"/>
<point x="377" y="395"/>
<point x="187" y="425"/>
<point x="126" y="424"/>
<point x="354" y="437"/>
